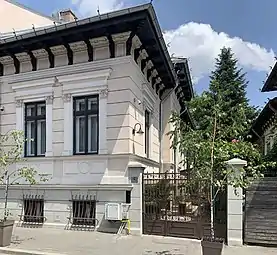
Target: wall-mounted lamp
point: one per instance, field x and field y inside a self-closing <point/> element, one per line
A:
<point x="139" y="131"/>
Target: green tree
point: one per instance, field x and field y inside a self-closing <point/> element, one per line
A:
<point x="11" y="150"/>
<point x="228" y="81"/>
<point x="223" y="117"/>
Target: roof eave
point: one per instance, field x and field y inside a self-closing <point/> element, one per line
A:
<point x="269" y="83"/>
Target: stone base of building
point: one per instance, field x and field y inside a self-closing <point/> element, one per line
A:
<point x="78" y="208"/>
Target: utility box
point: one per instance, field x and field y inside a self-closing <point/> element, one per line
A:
<point x="116" y="211"/>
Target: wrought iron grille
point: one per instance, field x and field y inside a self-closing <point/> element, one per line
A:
<point x="83" y="210"/>
<point x="175" y="204"/>
<point x="169" y="196"/>
<point x="33" y="209"/>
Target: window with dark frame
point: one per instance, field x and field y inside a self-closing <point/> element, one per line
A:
<point x="86" y="124"/>
<point x="35" y="129"/>
<point x="84" y="212"/>
<point x="147" y="132"/>
<point x="33" y="210"/>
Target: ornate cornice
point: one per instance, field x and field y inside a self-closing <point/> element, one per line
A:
<point x="120" y="38"/>
<point x="23" y="57"/>
<point x="78" y="46"/>
<point x="41" y="53"/>
<point x="99" y="42"/>
<point x="6" y="60"/>
<point x="58" y="50"/>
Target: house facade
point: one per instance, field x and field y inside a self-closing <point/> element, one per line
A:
<point x="93" y="98"/>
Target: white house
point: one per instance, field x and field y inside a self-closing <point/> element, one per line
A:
<point x="93" y="97"/>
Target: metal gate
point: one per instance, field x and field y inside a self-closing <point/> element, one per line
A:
<point x="172" y="208"/>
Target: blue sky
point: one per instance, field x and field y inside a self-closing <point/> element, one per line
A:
<point x="197" y="29"/>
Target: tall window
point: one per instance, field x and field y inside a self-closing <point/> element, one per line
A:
<point x="85" y="124"/>
<point x="35" y="129"/>
<point x="147" y="132"/>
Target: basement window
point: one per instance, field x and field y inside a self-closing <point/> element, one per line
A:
<point x="84" y="212"/>
<point x="33" y="210"/>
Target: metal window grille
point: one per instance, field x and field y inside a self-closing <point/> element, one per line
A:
<point x="33" y="208"/>
<point x="83" y="211"/>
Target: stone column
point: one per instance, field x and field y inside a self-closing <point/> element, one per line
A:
<point x="49" y="126"/>
<point x="235" y="207"/>
<point x="68" y="125"/>
<point x="19" y="115"/>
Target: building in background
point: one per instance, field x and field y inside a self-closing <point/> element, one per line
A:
<point x="264" y="129"/>
<point x="94" y="98"/>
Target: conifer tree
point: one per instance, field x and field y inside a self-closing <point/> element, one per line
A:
<point x="231" y="85"/>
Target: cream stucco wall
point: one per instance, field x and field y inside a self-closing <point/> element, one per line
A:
<point x="169" y="106"/>
<point x="14" y="17"/>
<point x="124" y="95"/>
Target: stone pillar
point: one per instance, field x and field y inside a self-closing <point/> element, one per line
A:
<point x="103" y="95"/>
<point x="49" y="126"/>
<point x="135" y="172"/>
<point x="68" y="125"/>
<point x="235" y="207"/>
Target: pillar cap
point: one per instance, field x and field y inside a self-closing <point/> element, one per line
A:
<point x="236" y="162"/>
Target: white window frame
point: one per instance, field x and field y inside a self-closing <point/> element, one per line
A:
<point x="31" y="92"/>
<point x="85" y="84"/>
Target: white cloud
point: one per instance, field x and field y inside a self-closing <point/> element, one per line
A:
<point x="89" y="7"/>
<point x="198" y="42"/>
<point x="201" y="44"/>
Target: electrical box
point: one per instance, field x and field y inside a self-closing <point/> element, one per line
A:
<point x="112" y="211"/>
<point x="117" y="211"/>
<point x="125" y="211"/>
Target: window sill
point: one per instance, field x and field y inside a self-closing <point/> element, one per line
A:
<point x="40" y="156"/>
<point x="84" y="154"/>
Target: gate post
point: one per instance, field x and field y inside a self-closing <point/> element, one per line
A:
<point x="235" y="206"/>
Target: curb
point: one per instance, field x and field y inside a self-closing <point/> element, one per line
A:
<point x="25" y="252"/>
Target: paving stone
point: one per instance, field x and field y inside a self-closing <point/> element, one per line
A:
<point x="76" y="243"/>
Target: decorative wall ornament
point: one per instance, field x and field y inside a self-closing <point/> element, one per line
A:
<point x="121" y="37"/>
<point x="83" y="167"/>
<point x="41" y="53"/>
<point x="19" y="103"/>
<point x="6" y="60"/>
<point x="99" y="42"/>
<point x="56" y="83"/>
<point x="136" y="42"/>
<point x="67" y="98"/>
<point x="58" y="50"/>
<point x="49" y="99"/>
<point x="78" y="46"/>
<point x="103" y="93"/>
<point x="23" y="57"/>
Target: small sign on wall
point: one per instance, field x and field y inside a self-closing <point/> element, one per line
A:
<point x="134" y="179"/>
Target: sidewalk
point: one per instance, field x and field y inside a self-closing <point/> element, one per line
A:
<point x="57" y="241"/>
